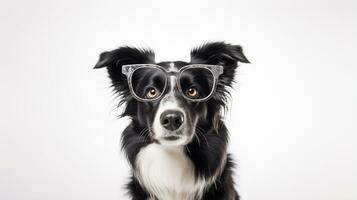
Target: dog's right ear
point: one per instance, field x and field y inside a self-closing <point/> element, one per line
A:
<point x="115" y="59"/>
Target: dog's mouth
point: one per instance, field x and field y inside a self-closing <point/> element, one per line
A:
<point x="171" y="137"/>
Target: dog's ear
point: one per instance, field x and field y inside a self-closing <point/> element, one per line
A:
<point x="115" y="59"/>
<point x="220" y="53"/>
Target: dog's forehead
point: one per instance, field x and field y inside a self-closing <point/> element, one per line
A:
<point x="173" y="65"/>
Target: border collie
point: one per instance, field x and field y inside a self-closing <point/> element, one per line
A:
<point x="176" y="142"/>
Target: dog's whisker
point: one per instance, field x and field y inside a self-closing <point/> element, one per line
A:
<point x="198" y="127"/>
<point x="188" y="150"/>
<point x="142" y="134"/>
<point x="199" y="130"/>
<point x="198" y="139"/>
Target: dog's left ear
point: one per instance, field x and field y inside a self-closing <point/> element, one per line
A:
<point x="220" y="53"/>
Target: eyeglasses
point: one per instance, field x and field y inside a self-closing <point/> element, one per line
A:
<point x="148" y="82"/>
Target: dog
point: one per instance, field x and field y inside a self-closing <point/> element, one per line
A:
<point x="176" y="143"/>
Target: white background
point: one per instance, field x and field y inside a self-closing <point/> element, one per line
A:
<point x="292" y="120"/>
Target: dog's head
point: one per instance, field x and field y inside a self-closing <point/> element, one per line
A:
<point x="171" y="102"/>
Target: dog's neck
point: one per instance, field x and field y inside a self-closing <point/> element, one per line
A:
<point x="168" y="173"/>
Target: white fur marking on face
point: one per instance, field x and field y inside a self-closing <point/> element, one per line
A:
<point x="168" y="102"/>
<point x="167" y="173"/>
<point x="172" y="84"/>
<point x="172" y="67"/>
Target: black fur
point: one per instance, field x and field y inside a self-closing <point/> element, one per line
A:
<point x="207" y="149"/>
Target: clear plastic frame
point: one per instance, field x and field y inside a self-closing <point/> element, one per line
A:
<point x="203" y="72"/>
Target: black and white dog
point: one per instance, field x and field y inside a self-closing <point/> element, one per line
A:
<point x="176" y="142"/>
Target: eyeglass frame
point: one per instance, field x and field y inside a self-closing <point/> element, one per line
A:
<point x="216" y="70"/>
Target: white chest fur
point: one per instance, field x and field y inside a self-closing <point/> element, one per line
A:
<point x="167" y="173"/>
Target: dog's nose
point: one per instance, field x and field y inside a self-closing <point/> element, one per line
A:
<point x="171" y="119"/>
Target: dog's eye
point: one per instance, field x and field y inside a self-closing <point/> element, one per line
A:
<point x="192" y="92"/>
<point x="152" y="93"/>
